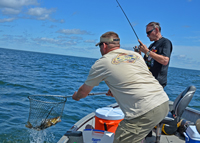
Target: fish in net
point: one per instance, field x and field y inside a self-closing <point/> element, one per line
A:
<point x="45" y="111"/>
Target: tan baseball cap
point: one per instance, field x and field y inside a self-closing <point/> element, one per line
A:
<point x="108" y="40"/>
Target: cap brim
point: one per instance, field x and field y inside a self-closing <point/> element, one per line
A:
<point x="97" y="44"/>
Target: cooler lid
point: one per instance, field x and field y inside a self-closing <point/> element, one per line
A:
<point x="193" y="133"/>
<point x="109" y="113"/>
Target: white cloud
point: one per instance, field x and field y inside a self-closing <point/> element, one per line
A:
<point x="16" y="3"/>
<point x="195" y="39"/>
<point x="10" y="11"/>
<point x="76" y="38"/>
<point x="40" y="13"/>
<point x="62" y="21"/>
<point x="59" y="21"/>
<point x="71" y="37"/>
<point x="6" y="20"/>
<point x="16" y="7"/>
<point x="73" y="31"/>
<point x="90" y="41"/>
<point x="181" y="56"/>
<point x="53" y="26"/>
<point x="46" y="40"/>
<point x="134" y="24"/>
<point x="14" y="38"/>
<point x="54" y="41"/>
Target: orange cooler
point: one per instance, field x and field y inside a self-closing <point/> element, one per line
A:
<point x="108" y="118"/>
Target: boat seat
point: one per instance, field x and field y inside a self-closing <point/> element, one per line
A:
<point x="179" y="105"/>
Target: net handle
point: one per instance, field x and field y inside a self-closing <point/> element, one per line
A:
<point x="68" y="96"/>
<point x="90" y="94"/>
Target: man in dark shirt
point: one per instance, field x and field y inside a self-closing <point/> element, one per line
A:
<point x="157" y="56"/>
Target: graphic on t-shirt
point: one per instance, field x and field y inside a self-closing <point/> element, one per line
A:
<point x="124" y="58"/>
<point x="150" y="60"/>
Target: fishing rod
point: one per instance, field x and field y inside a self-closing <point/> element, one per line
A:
<point x="90" y="94"/>
<point x="127" y="19"/>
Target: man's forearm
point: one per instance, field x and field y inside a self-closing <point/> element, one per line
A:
<point x="82" y="92"/>
<point x="159" y="58"/>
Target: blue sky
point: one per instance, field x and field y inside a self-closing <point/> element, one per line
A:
<point x="74" y="27"/>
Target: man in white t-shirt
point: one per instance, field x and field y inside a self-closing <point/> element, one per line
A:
<point x="139" y="95"/>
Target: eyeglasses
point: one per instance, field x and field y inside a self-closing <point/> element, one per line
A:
<point x="149" y="32"/>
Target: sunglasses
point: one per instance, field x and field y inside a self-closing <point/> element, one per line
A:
<point x="149" y="32"/>
<point x="102" y="44"/>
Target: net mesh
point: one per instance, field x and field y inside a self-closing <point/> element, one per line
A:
<point x="45" y="111"/>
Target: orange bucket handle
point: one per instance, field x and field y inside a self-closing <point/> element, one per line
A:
<point x="110" y="123"/>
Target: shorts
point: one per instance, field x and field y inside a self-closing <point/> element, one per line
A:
<point x="135" y="130"/>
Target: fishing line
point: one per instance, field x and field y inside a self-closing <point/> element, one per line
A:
<point x="128" y="20"/>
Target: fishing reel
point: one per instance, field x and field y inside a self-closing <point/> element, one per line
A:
<point x="137" y="48"/>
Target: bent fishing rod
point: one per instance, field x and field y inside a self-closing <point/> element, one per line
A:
<point x="128" y="20"/>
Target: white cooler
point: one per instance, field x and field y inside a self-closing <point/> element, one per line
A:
<point x="192" y="135"/>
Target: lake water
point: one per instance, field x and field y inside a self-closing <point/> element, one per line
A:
<point x="29" y="73"/>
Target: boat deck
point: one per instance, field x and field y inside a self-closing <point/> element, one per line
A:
<point x="88" y="122"/>
<point x="165" y="139"/>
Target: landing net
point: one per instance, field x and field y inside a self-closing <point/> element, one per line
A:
<point x="45" y="111"/>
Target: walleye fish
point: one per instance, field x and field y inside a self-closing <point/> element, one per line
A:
<point x="45" y="123"/>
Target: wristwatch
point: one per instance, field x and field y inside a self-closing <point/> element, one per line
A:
<point x="147" y="54"/>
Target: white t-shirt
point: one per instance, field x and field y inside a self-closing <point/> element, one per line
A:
<point x="130" y="81"/>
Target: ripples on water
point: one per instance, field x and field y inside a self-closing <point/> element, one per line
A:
<point x="28" y="73"/>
